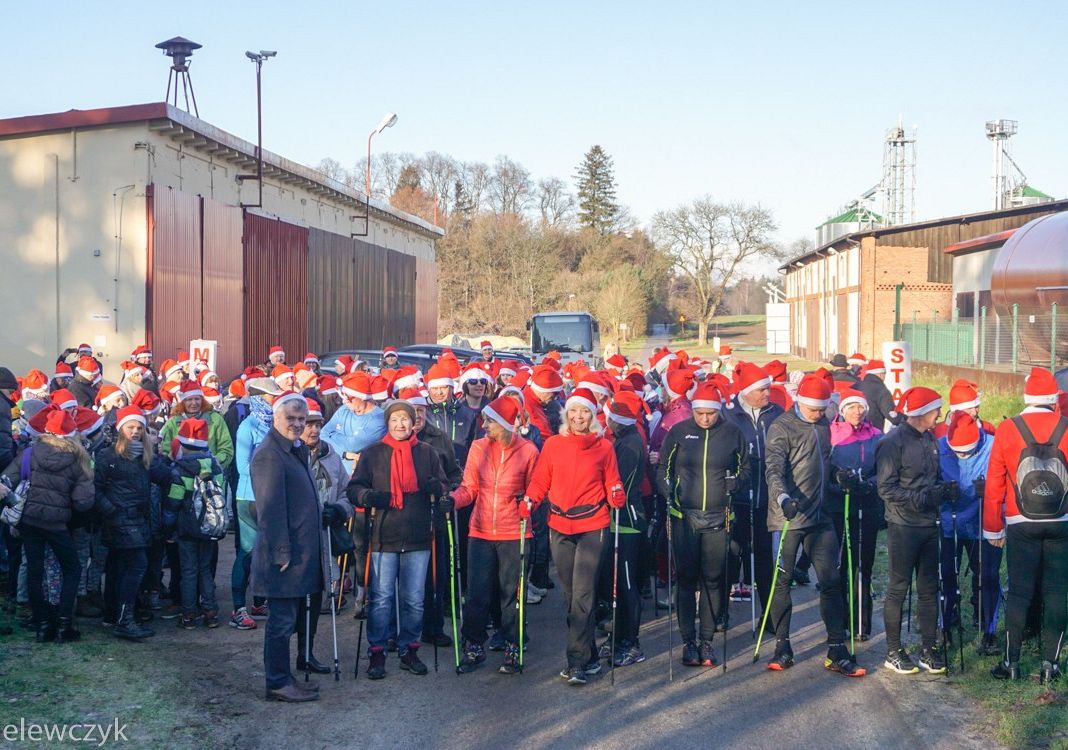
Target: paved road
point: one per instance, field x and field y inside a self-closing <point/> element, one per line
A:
<point x="748" y="707"/>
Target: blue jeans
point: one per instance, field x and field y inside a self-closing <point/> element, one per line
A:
<point x="281" y="624"/>
<point x="386" y="569"/>
<point x="197" y="578"/>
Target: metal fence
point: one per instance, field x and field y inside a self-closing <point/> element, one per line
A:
<point x="1007" y="342"/>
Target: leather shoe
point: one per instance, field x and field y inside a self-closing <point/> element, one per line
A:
<point x="309" y="686"/>
<point x="313" y="666"/>
<point x="291" y="694"/>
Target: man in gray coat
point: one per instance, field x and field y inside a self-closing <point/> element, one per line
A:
<point x="288" y="559"/>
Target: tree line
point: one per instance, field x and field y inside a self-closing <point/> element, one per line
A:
<point x="515" y="245"/>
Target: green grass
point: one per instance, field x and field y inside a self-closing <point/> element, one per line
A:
<point x="95" y="681"/>
<point x="996" y="405"/>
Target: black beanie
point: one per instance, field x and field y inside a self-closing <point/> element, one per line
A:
<point x="8" y="380"/>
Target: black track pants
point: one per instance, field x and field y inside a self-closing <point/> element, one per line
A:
<point x="912" y="549"/>
<point x="1030" y="548"/>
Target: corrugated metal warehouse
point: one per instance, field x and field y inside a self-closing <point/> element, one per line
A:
<point x="843" y="296"/>
<point x="129" y="225"/>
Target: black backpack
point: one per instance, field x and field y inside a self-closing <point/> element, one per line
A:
<point x="1041" y="474"/>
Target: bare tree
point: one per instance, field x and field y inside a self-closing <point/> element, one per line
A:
<point x="510" y="187"/>
<point x="439" y="177"/>
<point x="475" y="176"/>
<point x="709" y="243"/>
<point x="556" y="204"/>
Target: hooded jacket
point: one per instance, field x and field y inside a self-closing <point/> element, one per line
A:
<point x="493" y="477"/>
<point x="124" y="497"/>
<point x="854" y="450"/>
<point x="579" y="477"/>
<point x="187" y="468"/>
<point x="219" y="442"/>
<point x="906" y="464"/>
<point x="964" y="471"/>
<point x="799" y="466"/>
<point x="349" y="432"/>
<point x="633" y="464"/>
<point x="250" y="433"/>
<point x="677" y="411"/>
<point x="61" y="482"/>
<point x="7" y="442"/>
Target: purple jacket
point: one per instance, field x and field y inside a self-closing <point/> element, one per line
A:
<point x="677" y="411"/>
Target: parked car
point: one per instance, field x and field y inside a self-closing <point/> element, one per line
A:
<point x="465" y="355"/>
<point x="374" y="358"/>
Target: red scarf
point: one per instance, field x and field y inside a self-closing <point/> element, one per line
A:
<point x="402" y="476"/>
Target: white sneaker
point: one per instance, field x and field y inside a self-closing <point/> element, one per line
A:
<point x="533" y="598"/>
<point x="531" y="588"/>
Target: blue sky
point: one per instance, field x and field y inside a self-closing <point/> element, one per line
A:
<point x="784" y="104"/>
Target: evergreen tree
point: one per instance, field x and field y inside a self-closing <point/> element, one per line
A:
<point x="598" y="209"/>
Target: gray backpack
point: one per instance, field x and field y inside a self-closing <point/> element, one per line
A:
<point x="1041" y="474"/>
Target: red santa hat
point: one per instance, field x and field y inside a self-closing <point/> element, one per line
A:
<point x="584" y="398"/>
<point x="546" y="380"/>
<point x="920" y="400"/>
<point x="63" y="371"/>
<point x="963" y="435"/>
<point x="212" y="396"/>
<point x="707" y="396"/>
<point x="485" y="345"/>
<point x="189" y="389"/>
<point x="857" y="359"/>
<point x="64" y="399"/>
<point x="412" y="395"/>
<point x="679" y="383"/>
<point x="280" y="373"/>
<point x="170" y="367"/>
<point x="389" y="350"/>
<point x="407" y="377"/>
<point x="508" y="367"/>
<point x="35" y="382"/>
<point x="146" y="401"/>
<point x="1041" y="388"/>
<point x="875" y="366"/>
<point x="813" y="392"/>
<point x="660" y="360"/>
<point x="107" y="394"/>
<point x="725" y="352"/>
<point x="596" y="383"/>
<point x="193" y="433"/>
<point x="59" y="423"/>
<point x="356" y="385"/>
<point x="88" y="368"/>
<point x="522" y="378"/>
<point x="504" y="410"/>
<point x="750" y="377"/>
<point x="87" y="420"/>
<point x="438" y="376"/>
<point x="776" y="369"/>
<point x="274" y="350"/>
<point x="327" y="384"/>
<point x="129" y="414"/>
<point x="311" y="358"/>
<point x="379" y="388"/>
<point x="617" y="361"/>
<point x="474" y="372"/>
<point x="287" y="397"/>
<point x="621" y="411"/>
<point x="315" y="411"/>
<point x="852" y="396"/>
<point x="141" y="351"/>
<point x="85" y="349"/>
<point x="963" y="394"/>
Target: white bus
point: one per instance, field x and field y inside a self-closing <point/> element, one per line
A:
<point x="574" y="334"/>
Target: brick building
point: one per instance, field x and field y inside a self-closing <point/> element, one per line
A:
<point x="844" y="295"/>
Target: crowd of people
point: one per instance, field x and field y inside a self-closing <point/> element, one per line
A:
<point x="417" y="498"/>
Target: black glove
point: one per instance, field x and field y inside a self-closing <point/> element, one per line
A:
<point x="446" y="504"/>
<point x="730" y="483"/>
<point x="376" y="499"/>
<point x="980" y="488"/>
<point x="789" y="508"/>
<point x="847" y="480"/>
<point x="433" y="486"/>
<point x="932" y="499"/>
<point x="950" y="492"/>
<point x="332" y="514"/>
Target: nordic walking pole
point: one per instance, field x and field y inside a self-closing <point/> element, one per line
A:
<point x="434" y="571"/>
<point x="981" y="482"/>
<point x="368" y="526"/>
<point x="771" y="594"/>
<point x="459" y="567"/>
<point x="343" y="564"/>
<point x="752" y="554"/>
<point x="960" y="604"/>
<point x="670" y="598"/>
<point x="849" y="577"/>
<point x="615" y="594"/>
<point x="942" y="593"/>
<point x="452" y="592"/>
<point x="912" y="577"/>
<point x="307" y="634"/>
<point x="860" y="566"/>
<point x="724" y="584"/>
<point x="333" y="609"/>
<point x="522" y="598"/>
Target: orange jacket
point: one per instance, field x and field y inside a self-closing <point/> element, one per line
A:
<point x="999" y="501"/>
<point x="579" y="476"/>
<point x="494" y="476"/>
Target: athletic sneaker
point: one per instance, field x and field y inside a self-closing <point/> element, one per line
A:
<point x="240" y="620"/>
<point x="839" y="660"/>
<point x="1005" y="670"/>
<point x="628" y="655"/>
<point x="989" y="645"/>
<point x="473" y="655"/>
<point x="575" y="676"/>
<point x="604" y="651"/>
<point x="172" y="612"/>
<point x="706" y="654"/>
<point x="410" y="662"/>
<point x="592" y="667"/>
<point x="534" y="598"/>
<point x="741" y="593"/>
<point x="211" y="618"/>
<point x="376" y="670"/>
<point x="258" y="612"/>
<point x="899" y="661"/>
<point x="801" y="577"/>
<point x="691" y="655"/>
<point x="496" y="642"/>
<point x="1049" y="672"/>
<point x="188" y="622"/>
<point x="931" y="661"/>
<point x="510" y="665"/>
<point x="783" y="658"/>
<point x="537" y="590"/>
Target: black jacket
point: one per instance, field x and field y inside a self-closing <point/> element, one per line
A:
<point x="288" y="521"/>
<point x="455" y="419"/>
<point x="434" y="437"/>
<point x="693" y="465"/>
<point x="404" y="529"/>
<point x="83" y="390"/>
<point x="124" y="497"/>
<point x="907" y="467"/>
<point x="755" y="434"/>
<point x="61" y="481"/>
<point x="7" y="443"/>
<point x="845" y="376"/>
<point x="632" y="463"/>
<point x="798" y="465"/>
<point x="880" y="403"/>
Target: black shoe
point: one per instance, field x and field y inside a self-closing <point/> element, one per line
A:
<point x="841" y="661"/>
<point x="931" y="660"/>
<point x="576" y="676"/>
<point x="511" y="664"/>
<point x="1005" y="670"/>
<point x="409" y="661"/>
<point x="65" y="632"/>
<point x="989" y="646"/>
<point x="783" y="658"/>
<point x="391" y="645"/>
<point x="592" y="667"/>
<point x="721" y="624"/>
<point x="691" y="655"/>
<point x="46" y="631"/>
<point x="376" y="669"/>
<point x="472" y="655"/>
<point x="899" y="661"/>
<point x="314" y="666"/>
<point x="1049" y="673"/>
<point x="496" y="642"/>
<point x="292" y="694"/>
<point x="86" y="608"/>
<point x="801" y="577"/>
<point x="439" y="639"/>
<point x="706" y="654"/>
<point x="127" y="628"/>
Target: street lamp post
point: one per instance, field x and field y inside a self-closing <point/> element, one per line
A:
<point x="258" y="58"/>
<point x="387" y="122"/>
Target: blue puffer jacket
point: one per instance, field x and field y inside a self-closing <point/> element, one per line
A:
<point x="964" y="471"/>
<point x="349" y="432"/>
<point x="250" y="433"/>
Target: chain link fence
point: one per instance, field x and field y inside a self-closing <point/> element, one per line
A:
<point x="1008" y="342"/>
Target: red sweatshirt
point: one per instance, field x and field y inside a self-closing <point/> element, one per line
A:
<point x="577" y="474"/>
<point x="999" y="502"/>
<point x="493" y="477"/>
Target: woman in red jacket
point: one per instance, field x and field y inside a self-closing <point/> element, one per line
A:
<point x="498" y="469"/>
<point x="578" y="476"/>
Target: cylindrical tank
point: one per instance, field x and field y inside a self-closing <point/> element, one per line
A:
<point x="1031" y="271"/>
